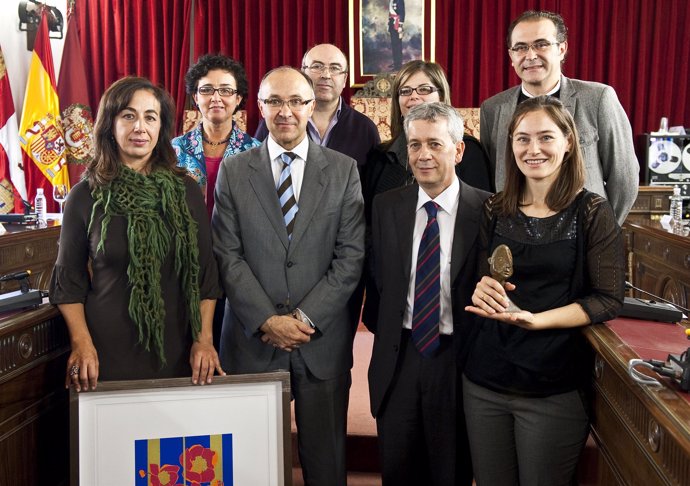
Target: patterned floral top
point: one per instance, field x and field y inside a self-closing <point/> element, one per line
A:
<point x="190" y="151"/>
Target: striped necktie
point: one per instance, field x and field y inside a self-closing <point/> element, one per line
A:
<point x="286" y="194"/>
<point x="427" y="289"/>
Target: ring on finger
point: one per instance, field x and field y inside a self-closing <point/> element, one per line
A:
<point x="74" y="370"/>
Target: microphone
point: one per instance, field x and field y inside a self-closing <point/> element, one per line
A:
<point x="16" y="276"/>
<point x="629" y="286"/>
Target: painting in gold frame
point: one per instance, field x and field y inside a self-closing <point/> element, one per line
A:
<point x="384" y="34"/>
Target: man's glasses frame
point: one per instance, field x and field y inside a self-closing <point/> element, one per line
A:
<point x="293" y="103"/>
<point x="538" y="46"/>
<point x="319" y="67"/>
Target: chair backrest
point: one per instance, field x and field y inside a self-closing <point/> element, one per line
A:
<point x="193" y="117"/>
<point x="374" y="101"/>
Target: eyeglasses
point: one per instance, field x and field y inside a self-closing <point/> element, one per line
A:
<point x="420" y="90"/>
<point x="210" y="90"/>
<point x="293" y="103"/>
<point x="539" y="46"/>
<point x="319" y="67"/>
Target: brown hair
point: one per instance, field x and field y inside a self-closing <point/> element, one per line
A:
<point x="571" y="177"/>
<point x="438" y="78"/>
<point x="106" y="162"/>
<point x="534" y="16"/>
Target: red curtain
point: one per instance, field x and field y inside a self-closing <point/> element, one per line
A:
<point x="640" y="47"/>
<point x="264" y="34"/>
<point x="134" y="37"/>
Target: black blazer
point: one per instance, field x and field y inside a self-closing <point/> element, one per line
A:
<point x="392" y="227"/>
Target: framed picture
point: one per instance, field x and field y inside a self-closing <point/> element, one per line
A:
<point x="235" y="431"/>
<point x="384" y="34"/>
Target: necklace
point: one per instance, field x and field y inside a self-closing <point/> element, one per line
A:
<point x="222" y="142"/>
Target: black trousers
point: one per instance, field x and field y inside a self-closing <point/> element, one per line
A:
<point x="421" y="425"/>
<point x="321" y="418"/>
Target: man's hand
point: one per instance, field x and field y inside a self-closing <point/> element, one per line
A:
<point x="285" y="332"/>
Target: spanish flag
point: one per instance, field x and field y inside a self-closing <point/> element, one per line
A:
<point x="13" y="189"/>
<point x="40" y="131"/>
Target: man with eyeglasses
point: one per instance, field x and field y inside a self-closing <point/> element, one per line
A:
<point x="537" y="46"/>
<point x="334" y="123"/>
<point x="288" y="233"/>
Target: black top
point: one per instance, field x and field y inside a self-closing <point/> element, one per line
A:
<point x="99" y="281"/>
<point x="573" y="256"/>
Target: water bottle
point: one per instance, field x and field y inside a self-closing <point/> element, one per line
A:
<point x="677" y="212"/>
<point x="40" y="207"/>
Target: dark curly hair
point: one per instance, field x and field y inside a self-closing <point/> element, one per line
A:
<point x="210" y="62"/>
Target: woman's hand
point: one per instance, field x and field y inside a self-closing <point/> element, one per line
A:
<point x="489" y="297"/>
<point x="204" y="360"/>
<point x="82" y="366"/>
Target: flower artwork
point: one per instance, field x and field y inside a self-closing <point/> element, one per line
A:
<point x="204" y="460"/>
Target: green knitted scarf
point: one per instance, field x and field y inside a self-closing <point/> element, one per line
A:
<point x="156" y="211"/>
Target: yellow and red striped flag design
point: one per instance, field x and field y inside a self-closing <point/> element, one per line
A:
<point x="40" y="131"/>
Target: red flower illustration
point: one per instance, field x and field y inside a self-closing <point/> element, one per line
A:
<point x="165" y="475"/>
<point x="199" y="463"/>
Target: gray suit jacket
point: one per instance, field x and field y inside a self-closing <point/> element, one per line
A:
<point x="392" y="232"/>
<point x="265" y="274"/>
<point x="605" y="137"/>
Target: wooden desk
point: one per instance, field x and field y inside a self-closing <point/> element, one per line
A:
<point x="658" y="262"/>
<point x="34" y="413"/>
<point x="643" y="433"/>
<point x="27" y="248"/>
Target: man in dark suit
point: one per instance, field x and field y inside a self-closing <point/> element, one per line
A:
<point x="288" y="233"/>
<point x="422" y="331"/>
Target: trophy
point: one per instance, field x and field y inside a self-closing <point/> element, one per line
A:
<point x="501" y="268"/>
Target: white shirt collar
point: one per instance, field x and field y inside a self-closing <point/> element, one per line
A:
<point x="555" y="88"/>
<point x="446" y="200"/>
<point x="275" y="150"/>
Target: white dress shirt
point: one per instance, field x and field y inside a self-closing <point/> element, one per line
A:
<point x="448" y="209"/>
<point x="296" y="167"/>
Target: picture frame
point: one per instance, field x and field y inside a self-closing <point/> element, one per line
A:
<point x="235" y="431"/>
<point x="373" y="39"/>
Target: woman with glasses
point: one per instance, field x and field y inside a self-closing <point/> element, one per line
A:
<point x="528" y="370"/>
<point x="218" y="86"/>
<point x="135" y="277"/>
<point x="387" y="168"/>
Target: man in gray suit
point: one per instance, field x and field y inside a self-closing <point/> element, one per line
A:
<point x="288" y="233"/>
<point x="537" y="45"/>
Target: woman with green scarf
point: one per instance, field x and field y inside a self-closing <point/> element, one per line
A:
<point x="135" y="277"/>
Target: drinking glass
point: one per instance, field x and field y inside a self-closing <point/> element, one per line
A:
<point x="60" y="194"/>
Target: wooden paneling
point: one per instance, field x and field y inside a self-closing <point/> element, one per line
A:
<point x="34" y="415"/>
<point x="643" y="432"/>
<point x="34" y="418"/>
<point x="651" y="204"/>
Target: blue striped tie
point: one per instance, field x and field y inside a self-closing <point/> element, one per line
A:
<point x="426" y="314"/>
<point x="286" y="195"/>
